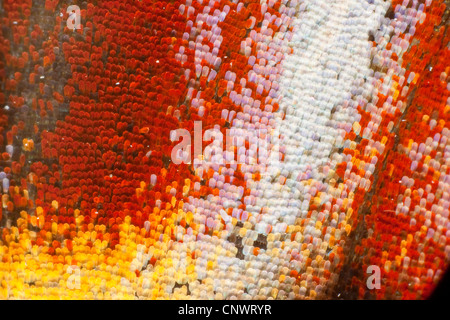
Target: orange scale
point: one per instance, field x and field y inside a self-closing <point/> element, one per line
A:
<point x="10" y="206"/>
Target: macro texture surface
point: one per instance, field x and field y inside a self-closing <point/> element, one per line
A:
<point x="217" y="149"/>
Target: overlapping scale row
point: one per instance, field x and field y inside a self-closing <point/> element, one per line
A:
<point x="331" y="156"/>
